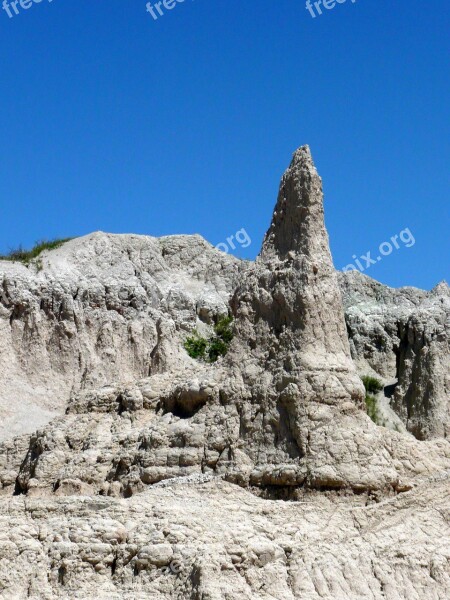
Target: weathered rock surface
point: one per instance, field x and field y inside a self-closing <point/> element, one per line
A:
<point x="168" y="477"/>
<point x="403" y="337"/>
<point x="214" y="541"/>
<point x="102" y="308"/>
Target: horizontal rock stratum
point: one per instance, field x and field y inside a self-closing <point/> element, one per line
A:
<point x="130" y="470"/>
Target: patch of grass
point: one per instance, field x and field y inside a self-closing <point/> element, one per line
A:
<point x="27" y="256"/>
<point x="372" y="384"/>
<point x="372" y="409"/>
<point x="210" y="349"/>
<point x="224" y="329"/>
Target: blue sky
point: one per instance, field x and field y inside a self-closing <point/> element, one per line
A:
<point x="113" y="121"/>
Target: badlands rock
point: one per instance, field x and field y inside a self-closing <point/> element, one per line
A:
<point x="402" y="336"/>
<point x="166" y="477"/>
<point x="99" y="309"/>
<point x="215" y="541"/>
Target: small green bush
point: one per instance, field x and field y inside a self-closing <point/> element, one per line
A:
<point x="215" y="346"/>
<point x="26" y="256"/>
<point x="224" y="330"/>
<point x="196" y="346"/>
<point x="372" y="384"/>
<point x="372" y="409"/>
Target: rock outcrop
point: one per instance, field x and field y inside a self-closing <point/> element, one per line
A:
<point x="402" y="336"/>
<point x="166" y="477"/>
<point x="99" y="309"/>
<point x="211" y="540"/>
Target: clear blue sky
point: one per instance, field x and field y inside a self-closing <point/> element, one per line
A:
<point x="113" y="121"/>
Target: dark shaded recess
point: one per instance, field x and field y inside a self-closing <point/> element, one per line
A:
<point x="183" y="408"/>
<point x="62" y="572"/>
<point x="390" y="389"/>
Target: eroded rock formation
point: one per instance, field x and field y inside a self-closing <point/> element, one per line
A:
<point x="101" y="308"/>
<point x="402" y="336"/>
<point x="166" y="477"/>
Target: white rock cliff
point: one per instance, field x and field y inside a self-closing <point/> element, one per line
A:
<point x="130" y="470"/>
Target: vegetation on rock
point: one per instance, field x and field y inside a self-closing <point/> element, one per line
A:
<point x="372" y="384"/>
<point x="26" y="256"/>
<point x="210" y="349"/>
<point x="196" y="346"/>
<point x="372" y="409"/>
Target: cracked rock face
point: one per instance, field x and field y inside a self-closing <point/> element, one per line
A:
<point x="166" y="477"/>
<point x="212" y="540"/>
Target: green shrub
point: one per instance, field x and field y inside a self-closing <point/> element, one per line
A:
<point x="372" y="409"/>
<point x="215" y="346"/>
<point x="26" y="256"/>
<point x="196" y="346"/>
<point x="372" y="384"/>
<point x="224" y="330"/>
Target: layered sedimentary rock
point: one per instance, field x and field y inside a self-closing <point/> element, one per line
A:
<point x="166" y="476"/>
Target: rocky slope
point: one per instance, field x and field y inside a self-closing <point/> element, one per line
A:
<point x="214" y="541"/>
<point x="166" y="477"/>
<point x="100" y="309"/>
<point x="402" y="336"/>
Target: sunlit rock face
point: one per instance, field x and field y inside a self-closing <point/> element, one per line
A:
<point x="101" y="308"/>
<point x="402" y="337"/>
<point x="166" y="477"/>
<point x="293" y="295"/>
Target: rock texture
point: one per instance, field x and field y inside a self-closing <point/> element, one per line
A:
<point x="214" y="541"/>
<point x="99" y="309"/>
<point x="259" y="476"/>
<point x="402" y="336"/>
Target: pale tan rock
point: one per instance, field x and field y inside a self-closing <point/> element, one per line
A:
<point x="103" y="308"/>
<point x="401" y="337"/>
<point x="259" y="476"/>
<point x="216" y="540"/>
